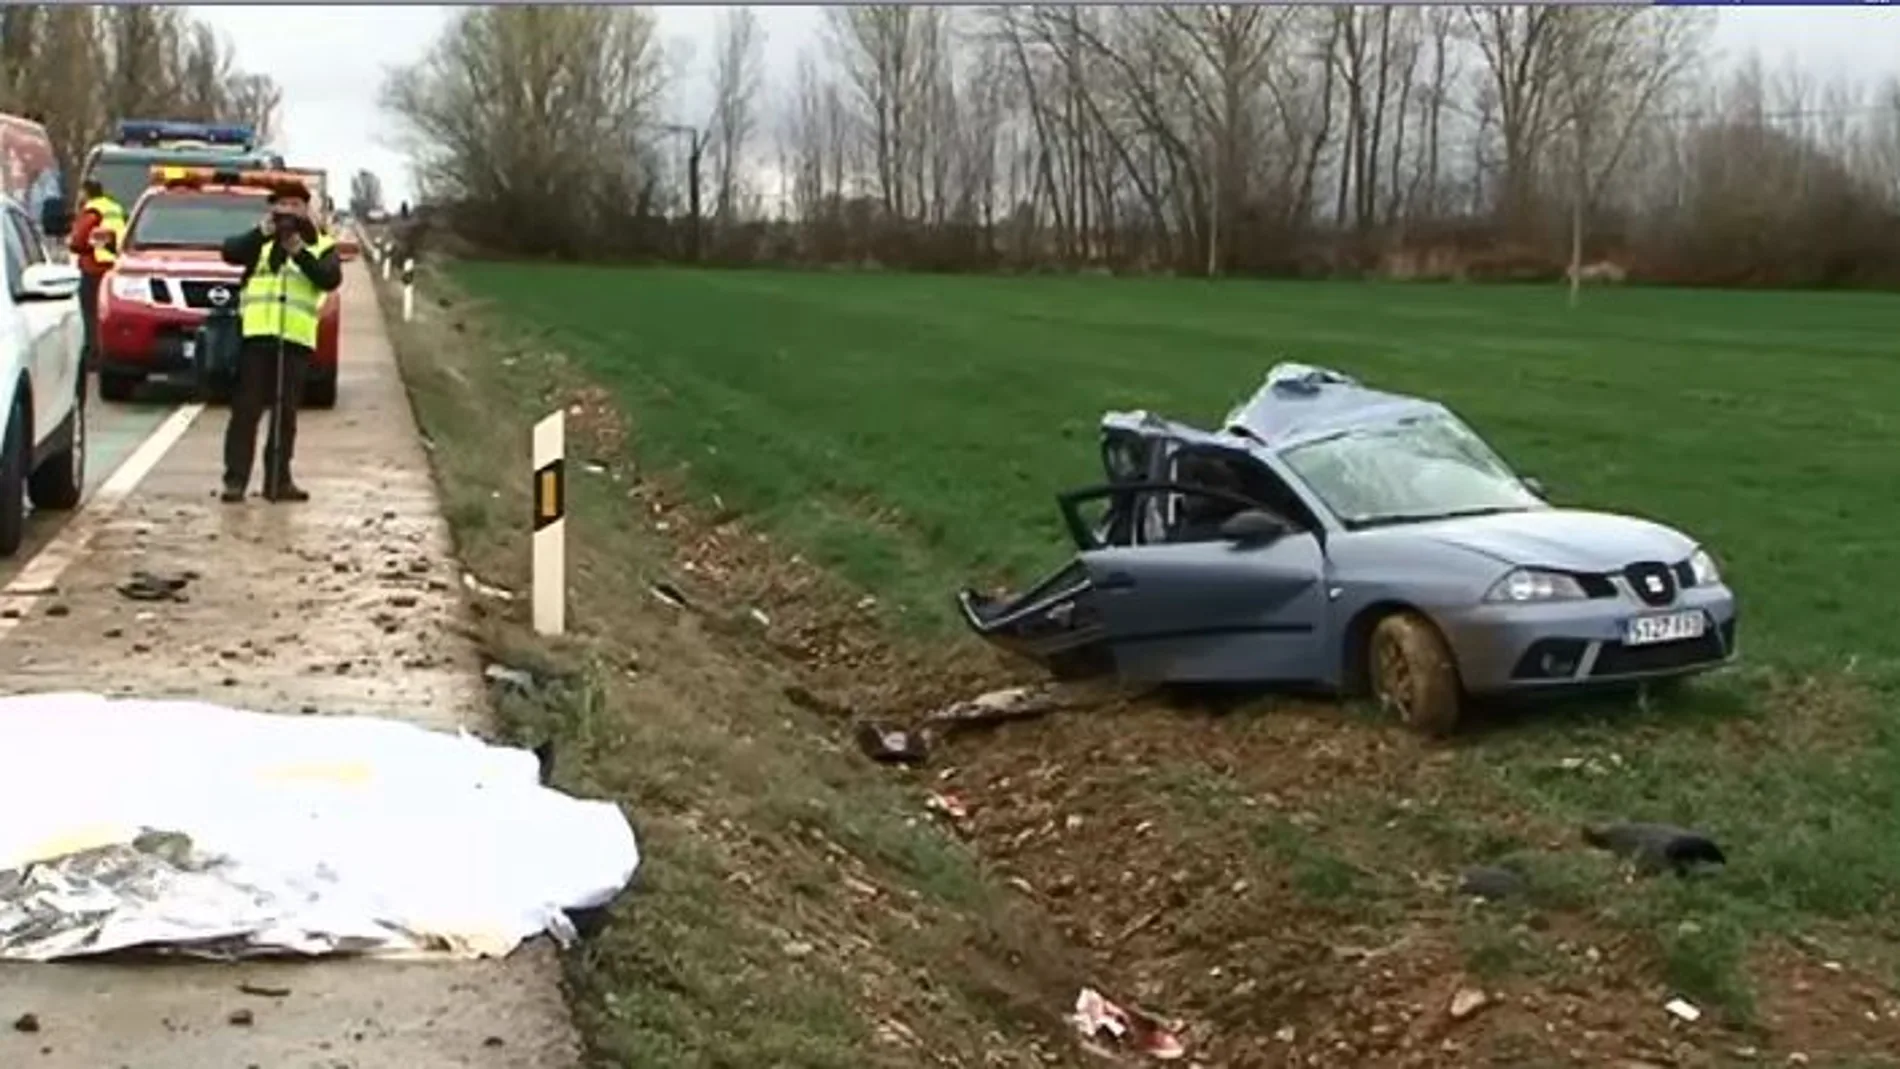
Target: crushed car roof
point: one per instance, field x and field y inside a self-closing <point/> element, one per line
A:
<point x="1298" y="401"/>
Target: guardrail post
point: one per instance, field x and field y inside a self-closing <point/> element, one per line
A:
<point x="408" y="289"/>
<point x="550" y="524"/>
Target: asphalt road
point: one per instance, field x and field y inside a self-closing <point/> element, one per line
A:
<point x="349" y="604"/>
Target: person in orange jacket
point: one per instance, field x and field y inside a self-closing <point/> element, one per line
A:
<point x="95" y="246"/>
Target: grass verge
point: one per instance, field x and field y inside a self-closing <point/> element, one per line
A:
<point x="793" y="907"/>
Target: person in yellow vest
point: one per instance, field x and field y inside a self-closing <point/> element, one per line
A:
<point x="94" y="243"/>
<point x="289" y="267"/>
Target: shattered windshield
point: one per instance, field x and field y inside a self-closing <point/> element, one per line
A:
<point x="1426" y="468"/>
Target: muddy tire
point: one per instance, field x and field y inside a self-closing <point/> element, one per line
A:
<point x="1412" y="673"/>
<point x="59" y="483"/>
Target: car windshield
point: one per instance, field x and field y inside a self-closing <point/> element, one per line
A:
<point x="1425" y="468"/>
<point x="193" y="220"/>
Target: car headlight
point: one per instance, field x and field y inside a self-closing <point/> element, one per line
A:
<point x="130" y="288"/>
<point x="1533" y="585"/>
<point x="1702" y="566"/>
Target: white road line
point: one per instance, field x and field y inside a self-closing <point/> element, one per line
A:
<point x="37" y="577"/>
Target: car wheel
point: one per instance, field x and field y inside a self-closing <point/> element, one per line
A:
<point x="114" y="387"/>
<point x="320" y="393"/>
<point x="13" y="483"/>
<point x="1413" y="674"/>
<point x="58" y="483"/>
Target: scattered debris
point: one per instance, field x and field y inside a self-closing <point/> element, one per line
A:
<point x="889" y="745"/>
<point x="149" y="586"/>
<point x="1011" y="703"/>
<point x="264" y="990"/>
<point x="242" y="1018"/>
<point x="1491" y="882"/>
<point x="1102" y="1022"/>
<point x="669" y="594"/>
<point x="515" y="680"/>
<point x="1655" y="848"/>
<point x="949" y="805"/>
<point x="59" y="608"/>
<point x="487" y="590"/>
<point x="1683" y="1010"/>
<point x="26" y="1022"/>
<point x="1466" y="1002"/>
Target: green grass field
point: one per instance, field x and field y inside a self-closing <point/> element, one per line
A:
<point x="909" y="431"/>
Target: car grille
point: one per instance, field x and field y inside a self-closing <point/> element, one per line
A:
<point x="197" y="293"/>
<point x="1654" y="583"/>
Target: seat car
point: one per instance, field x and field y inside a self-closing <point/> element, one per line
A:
<point x="170" y="276"/>
<point x="1363" y="542"/>
<point x="42" y="380"/>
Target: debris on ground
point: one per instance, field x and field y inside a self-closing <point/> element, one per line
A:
<point x="476" y="586"/>
<point x="151" y="586"/>
<point x="947" y="805"/>
<point x="26" y="1022"/>
<point x="217" y="832"/>
<point x="264" y="990"/>
<point x="1683" y="1010"/>
<point x="1491" y="882"/>
<point x="1110" y="1029"/>
<point x="889" y="745"/>
<point x="997" y="706"/>
<point x="1466" y="1002"/>
<point x="669" y="594"/>
<point x="514" y="680"/>
<point x="1656" y="848"/>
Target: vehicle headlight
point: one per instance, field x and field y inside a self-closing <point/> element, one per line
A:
<point x="130" y="288"/>
<point x="1702" y="566"/>
<point x="1532" y="585"/>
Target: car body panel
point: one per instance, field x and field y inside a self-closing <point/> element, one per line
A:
<point x="41" y="343"/>
<point x="1161" y="596"/>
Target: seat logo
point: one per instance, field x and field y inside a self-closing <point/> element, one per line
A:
<point x="219" y="295"/>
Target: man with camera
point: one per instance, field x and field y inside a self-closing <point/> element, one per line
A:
<point x="289" y="267"/>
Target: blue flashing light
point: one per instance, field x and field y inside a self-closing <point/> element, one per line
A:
<point x="161" y="131"/>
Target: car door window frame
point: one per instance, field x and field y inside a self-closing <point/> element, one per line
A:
<point x="17" y="256"/>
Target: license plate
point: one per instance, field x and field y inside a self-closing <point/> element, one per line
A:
<point x="1668" y="627"/>
<point x="190" y="347"/>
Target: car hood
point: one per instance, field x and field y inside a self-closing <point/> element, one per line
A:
<point x="204" y="263"/>
<point x="1572" y="540"/>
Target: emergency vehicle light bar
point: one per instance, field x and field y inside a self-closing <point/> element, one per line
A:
<point x="159" y="131"/>
<point x="173" y="174"/>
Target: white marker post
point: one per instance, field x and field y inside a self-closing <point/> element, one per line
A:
<point x="385" y="258"/>
<point x="408" y="289"/>
<point x="550" y="524"/>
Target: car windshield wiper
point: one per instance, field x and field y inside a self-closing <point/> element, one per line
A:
<point x="1396" y="518"/>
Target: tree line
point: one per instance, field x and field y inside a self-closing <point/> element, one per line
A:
<point x="79" y="68"/>
<point x="1508" y="142"/>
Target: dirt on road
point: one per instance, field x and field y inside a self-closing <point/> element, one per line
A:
<point x="347" y="604"/>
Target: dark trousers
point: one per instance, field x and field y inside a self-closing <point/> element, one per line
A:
<point x="257" y="388"/>
<point x="89" y="314"/>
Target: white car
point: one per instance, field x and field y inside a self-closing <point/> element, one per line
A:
<point x="42" y="380"/>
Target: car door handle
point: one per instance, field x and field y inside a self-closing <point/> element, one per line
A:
<point x="1116" y="581"/>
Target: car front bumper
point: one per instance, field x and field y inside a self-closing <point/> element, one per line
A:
<point x="1571" y="644"/>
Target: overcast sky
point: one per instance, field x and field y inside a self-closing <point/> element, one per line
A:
<point x="331" y="59"/>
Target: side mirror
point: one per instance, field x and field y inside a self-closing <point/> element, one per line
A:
<point x="56" y="220"/>
<point x="1536" y="486"/>
<point x="48" y="282"/>
<point x="1252" y="527"/>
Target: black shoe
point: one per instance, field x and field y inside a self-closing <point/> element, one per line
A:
<point x="233" y="493"/>
<point x="287" y="491"/>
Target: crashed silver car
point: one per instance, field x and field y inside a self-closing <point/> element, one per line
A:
<point x="1363" y="542"/>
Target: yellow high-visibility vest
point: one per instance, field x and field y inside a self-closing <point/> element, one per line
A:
<point x="112" y="219"/>
<point x="283" y="303"/>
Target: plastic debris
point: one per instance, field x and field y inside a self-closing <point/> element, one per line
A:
<point x="888" y="745"/>
<point x="1683" y="1010"/>
<point x="1104" y="1024"/>
<point x="1656" y="848"/>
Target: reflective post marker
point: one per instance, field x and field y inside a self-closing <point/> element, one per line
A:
<point x="385" y="264"/>
<point x="408" y="289"/>
<point x="550" y="524"/>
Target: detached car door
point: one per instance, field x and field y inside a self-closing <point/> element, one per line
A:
<point x="1207" y="611"/>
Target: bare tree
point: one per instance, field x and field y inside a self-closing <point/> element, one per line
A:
<point x="737" y="77"/>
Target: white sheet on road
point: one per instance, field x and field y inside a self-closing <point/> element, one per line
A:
<point x="217" y="831"/>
